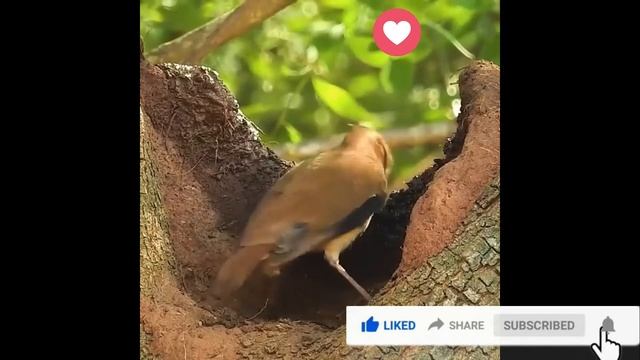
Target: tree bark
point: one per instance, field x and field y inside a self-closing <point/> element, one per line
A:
<point x="156" y="254"/>
<point x="203" y="169"/>
<point x="157" y="263"/>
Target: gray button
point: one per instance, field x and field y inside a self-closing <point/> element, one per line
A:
<point x="539" y="325"/>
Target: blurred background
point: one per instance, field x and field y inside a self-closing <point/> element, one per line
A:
<point x="306" y="73"/>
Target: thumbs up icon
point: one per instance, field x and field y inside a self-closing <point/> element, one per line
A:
<point x="370" y="325"/>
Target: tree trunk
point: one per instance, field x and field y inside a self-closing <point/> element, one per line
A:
<point x="203" y="169"/>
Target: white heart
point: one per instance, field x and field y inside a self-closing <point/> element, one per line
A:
<point x="396" y="32"/>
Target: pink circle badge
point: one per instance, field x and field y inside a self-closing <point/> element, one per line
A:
<point x="396" y="32"/>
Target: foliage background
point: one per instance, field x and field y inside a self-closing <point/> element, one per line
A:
<point x="313" y="68"/>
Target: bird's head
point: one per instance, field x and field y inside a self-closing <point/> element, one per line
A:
<point x="365" y="139"/>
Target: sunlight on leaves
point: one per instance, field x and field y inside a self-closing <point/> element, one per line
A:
<point x="341" y="102"/>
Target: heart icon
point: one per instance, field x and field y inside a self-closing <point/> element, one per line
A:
<point x="396" y="32"/>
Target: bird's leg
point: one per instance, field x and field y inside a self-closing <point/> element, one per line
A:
<point x="333" y="261"/>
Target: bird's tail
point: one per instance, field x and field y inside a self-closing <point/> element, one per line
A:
<point x="238" y="268"/>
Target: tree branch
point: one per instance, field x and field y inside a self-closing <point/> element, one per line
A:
<point x="193" y="46"/>
<point x="425" y="134"/>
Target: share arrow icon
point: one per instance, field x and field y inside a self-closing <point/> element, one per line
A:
<point x="437" y="324"/>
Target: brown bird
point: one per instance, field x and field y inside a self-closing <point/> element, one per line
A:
<point x="321" y="205"/>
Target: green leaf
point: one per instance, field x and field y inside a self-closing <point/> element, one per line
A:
<point x="436" y="115"/>
<point x="366" y="51"/>
<point x="412" y="6"/>
<point x="469" y="4"/>
<point x="442" y="12"/>
<point x="397" y="76"/>
<point x="359" y="19"/>
<point x="337" y="4"/>
<point x="150" y="14"/>
<point x="294" y="135"/>
<point x="363" y="85"/>
<point x="183" y="17"/>
<point x="262" y="66"/>
<point x="259" y="108"/>
<point x="476" y="5"/>
<point x="423" y="49"/>
<point x="342" y="103"/>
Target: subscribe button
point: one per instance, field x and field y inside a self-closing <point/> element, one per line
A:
<point x="539" y="325"/>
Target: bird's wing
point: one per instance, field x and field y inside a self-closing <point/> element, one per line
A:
<point x="316" y="201"/>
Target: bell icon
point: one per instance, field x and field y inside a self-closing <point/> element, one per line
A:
<point x="607" y="325"/>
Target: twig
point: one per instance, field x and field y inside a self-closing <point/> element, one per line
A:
<point x="261" y="310"/>
<point x="165" y="131"/>
<point x="434" y="133"/>
<point x="282" y="118"/>
<point x="190" y="170"/>
<point x="452" y="39"/>
<point x="196" y="164"/>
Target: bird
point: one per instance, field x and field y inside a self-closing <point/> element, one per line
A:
<point x="322" y="204"/>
